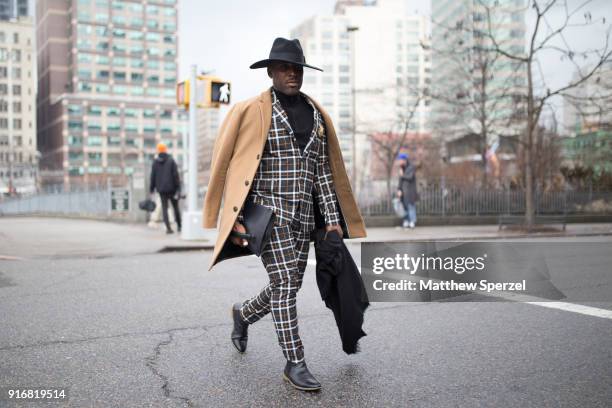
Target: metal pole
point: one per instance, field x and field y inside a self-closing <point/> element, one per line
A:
<point x="192" y="197"/>
<point x="351" y="30"/>
<point x="11" y="132"/>
<point x="184" y="126"/>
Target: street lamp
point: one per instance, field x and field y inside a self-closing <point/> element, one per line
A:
<point x="351" y="30"/>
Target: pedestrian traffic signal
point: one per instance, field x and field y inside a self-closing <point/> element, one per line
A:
<point x="220" y="92"/>
<point x="211" y="92"/>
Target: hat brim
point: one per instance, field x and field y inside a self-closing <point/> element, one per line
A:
<point x="266" y="62"/>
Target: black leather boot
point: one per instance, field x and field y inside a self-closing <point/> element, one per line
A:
<point x="299" y="377"/>
<point x="239" y="334"/>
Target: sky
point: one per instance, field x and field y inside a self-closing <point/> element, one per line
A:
<point x="227" y="36"/>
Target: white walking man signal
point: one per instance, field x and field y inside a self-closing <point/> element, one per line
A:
<point x="225" y="93"/>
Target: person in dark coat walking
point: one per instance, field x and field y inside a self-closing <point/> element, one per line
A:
<point x="166" y="180"/>
<point x="407" y="190"/>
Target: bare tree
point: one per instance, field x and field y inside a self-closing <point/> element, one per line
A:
<point x="474" y="97"/>
<point x="388" y="144"/>
<point x="546" y="36"/>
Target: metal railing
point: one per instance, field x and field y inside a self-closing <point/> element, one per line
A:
<point x="95" y="201"/>
<point x="77" y="201"/>
<point x="465" y="201"/>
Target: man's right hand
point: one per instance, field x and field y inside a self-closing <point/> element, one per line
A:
<point x="236" y="240"/>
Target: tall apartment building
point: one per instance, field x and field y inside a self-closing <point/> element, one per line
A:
<point x="18" y="155"/>
<point x="10" y="9"/>
<point x="107" y="72"/>
<point x="472" y="85"/>
<point x="381" y="63"/>
<point x="587" y="107"/>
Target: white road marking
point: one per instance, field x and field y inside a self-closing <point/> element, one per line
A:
<point x="536" y="301"/>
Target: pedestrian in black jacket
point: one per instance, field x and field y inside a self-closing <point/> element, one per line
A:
<point x="166" y="180"/>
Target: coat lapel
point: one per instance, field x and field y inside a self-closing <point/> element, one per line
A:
<point x="265" y="111"/>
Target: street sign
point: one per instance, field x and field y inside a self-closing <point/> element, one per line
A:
<point x="120" y="199"/>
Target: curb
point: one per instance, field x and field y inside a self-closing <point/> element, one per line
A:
<point x="202" y="247"/>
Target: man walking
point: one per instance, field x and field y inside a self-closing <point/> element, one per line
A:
<point x="166" y="180"/>
<point x="279" y="150"/>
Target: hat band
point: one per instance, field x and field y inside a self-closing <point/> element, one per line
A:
<point x="288" y="56"/>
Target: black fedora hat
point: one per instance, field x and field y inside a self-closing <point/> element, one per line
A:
<point x="286" y="51"/>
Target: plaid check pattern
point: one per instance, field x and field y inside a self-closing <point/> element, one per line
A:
<point x="284" y="181"/>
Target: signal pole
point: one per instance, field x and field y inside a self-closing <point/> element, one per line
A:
<point x="192" y="191"/>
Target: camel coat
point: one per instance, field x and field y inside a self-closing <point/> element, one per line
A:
<point x="236" y="155"/>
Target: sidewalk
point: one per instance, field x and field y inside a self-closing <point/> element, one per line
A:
<point x="39" y="237"/>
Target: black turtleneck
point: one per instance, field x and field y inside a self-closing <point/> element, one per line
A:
<point x="300" y="115"/>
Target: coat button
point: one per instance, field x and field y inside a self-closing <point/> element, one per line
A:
<point x="235" y="209"/>
<point x="257" y="157"/>
<point x="246" y="182"/>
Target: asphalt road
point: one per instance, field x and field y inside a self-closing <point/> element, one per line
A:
<point x="153" y="330"/>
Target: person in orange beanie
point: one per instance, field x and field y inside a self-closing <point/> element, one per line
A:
<point x="166" y="180"/>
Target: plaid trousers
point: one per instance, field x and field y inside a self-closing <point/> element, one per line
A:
<point x="284" y="181"/>
<point x="285" y="259"/>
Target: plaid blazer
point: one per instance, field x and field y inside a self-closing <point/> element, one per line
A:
<point x="286" y="176"/>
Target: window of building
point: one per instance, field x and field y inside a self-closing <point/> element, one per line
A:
<point x="153" y="37"/>
<point x="113" y="126"/>
<point x="113" y="140"/>
<point x="94" y="125"/>
<point x="153" y="91"/>
<point x="94" y="110"/>
<point x="101" y="31"/>
<point x="135" y="35"/>
<point x="118" y="19"/>
<point x="136" y="22"/>
<point x="135" y="8"/>
<point x="102" y="88"/>
<point x="94" y="141"/>
<point x="169" y="12"/>
<point x="84" y="73"/>
<point x="101" y="18"/>
<point x="118" y="33"/>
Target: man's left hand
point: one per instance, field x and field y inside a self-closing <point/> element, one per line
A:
<point x="334" y="227"/>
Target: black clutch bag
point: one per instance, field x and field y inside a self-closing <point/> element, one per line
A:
<point x="147" y="205"/>
<point x="258" y="222"/>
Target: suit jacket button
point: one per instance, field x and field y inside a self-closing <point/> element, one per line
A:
<point x="246" y="182"/>
<point x="235" y="209"/>
<point x="257" y="157"/>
